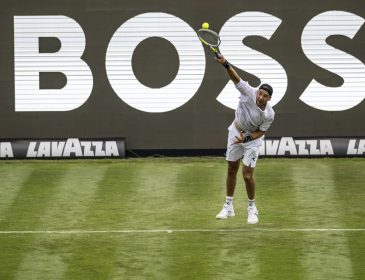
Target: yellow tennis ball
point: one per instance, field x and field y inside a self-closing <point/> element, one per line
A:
<point x="205" y="25"/>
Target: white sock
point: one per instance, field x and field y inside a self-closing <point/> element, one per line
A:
<point x="251" y="202"/>
<point x="229" y="200"/>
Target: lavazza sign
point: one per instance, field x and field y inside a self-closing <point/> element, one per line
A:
<point x="77" y="148"/>
<point x="287" y="146"/>
<point x="63" y="148"/>
<point x="29" y="62"/>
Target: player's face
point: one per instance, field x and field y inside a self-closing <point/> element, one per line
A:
<point x="262" y="97"/>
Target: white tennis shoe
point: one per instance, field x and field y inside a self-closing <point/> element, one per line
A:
<point x="253" y="215"/>
<point x="226" y="212"/>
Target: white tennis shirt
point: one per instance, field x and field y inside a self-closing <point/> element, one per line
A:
<point x="249" y="116"/>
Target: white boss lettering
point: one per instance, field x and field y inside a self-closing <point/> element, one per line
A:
<point x="118" y="62"/>
<point x="266" y="68"/>
<point x="28" y="63"/>
<point x="349" y="68"/>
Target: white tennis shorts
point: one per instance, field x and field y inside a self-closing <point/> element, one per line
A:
<point x="248" y="152"/>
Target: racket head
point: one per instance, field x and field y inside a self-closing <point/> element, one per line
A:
<point x="209" y="37"/>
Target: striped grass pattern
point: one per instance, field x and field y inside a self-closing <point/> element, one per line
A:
<point x="155" y="219"/>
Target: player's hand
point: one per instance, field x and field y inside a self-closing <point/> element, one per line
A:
<point x="241" y="138"/>
<point x="220" y="58"/>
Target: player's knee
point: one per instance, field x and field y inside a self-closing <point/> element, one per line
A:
<point x="233" y="168"/>
<point x="247" y="177"/>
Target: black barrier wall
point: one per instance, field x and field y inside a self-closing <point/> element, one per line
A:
<point x="135" y="69"/>
<point x="73" y="148"/>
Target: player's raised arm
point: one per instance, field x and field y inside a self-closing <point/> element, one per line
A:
<point x="230" y="70"/>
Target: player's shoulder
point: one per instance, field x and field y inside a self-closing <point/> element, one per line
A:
<point x="244" y="87"/>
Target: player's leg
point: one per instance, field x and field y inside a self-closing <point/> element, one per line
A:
<point x="249" y="164"/>
<point x="232" y="170"/>
<point x="233" y="155"/>
<point x="228" y="210"/>
<point x="247" y="172"/>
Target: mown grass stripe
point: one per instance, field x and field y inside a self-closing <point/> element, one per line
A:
<point x="71" y="203"/>
<point x="193" y="192"/>
<point x="317" y="205"/>
<point x="150" y="202"/>
<point x="349" y="181"/>
<point x="12" y="180"/>
<point x="203" y="190"/>
<point x="105" y="209"/>
<point x="41" y="264"/>
<point x="275" y="199"/>
<point x="31" y="202"/>
<point x="69" y="207"/>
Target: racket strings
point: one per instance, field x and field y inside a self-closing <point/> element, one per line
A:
<point x="209" y="37"/>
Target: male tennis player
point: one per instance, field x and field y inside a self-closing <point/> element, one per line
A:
<point x="253" y="118"/>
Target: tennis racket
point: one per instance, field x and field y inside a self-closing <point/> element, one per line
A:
<point x="211" y="39"/>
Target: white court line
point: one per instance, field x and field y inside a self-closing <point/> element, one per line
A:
<point x="126" y="231"/>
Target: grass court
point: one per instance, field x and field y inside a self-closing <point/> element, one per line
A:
<point x="154" y="218"/>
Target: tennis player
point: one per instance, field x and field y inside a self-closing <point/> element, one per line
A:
<point x="253" y="118"/>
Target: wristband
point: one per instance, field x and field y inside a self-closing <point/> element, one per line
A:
<point x="248" y="138"/>
<point x="226" y="64"/>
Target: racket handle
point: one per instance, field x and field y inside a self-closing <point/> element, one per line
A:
<point x="216" y="51"/>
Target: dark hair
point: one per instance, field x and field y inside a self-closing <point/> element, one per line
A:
<point x="267" y="87"/>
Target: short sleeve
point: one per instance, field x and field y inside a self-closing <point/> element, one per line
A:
<point x="245" y="89"/>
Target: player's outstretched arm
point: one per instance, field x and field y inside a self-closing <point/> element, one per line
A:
<point x="230" y="70"/>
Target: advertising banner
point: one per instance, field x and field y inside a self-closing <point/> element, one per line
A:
<point x="137" y="70"/>
<point x="71" y="148"/>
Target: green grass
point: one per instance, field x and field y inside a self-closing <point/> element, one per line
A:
<point x="180" y="194"/>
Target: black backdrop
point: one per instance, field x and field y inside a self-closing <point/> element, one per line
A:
<point x="200" y="123"/>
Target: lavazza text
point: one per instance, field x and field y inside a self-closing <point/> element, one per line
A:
<point x="285" y="146"/>
<point x="68" y="148"/>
